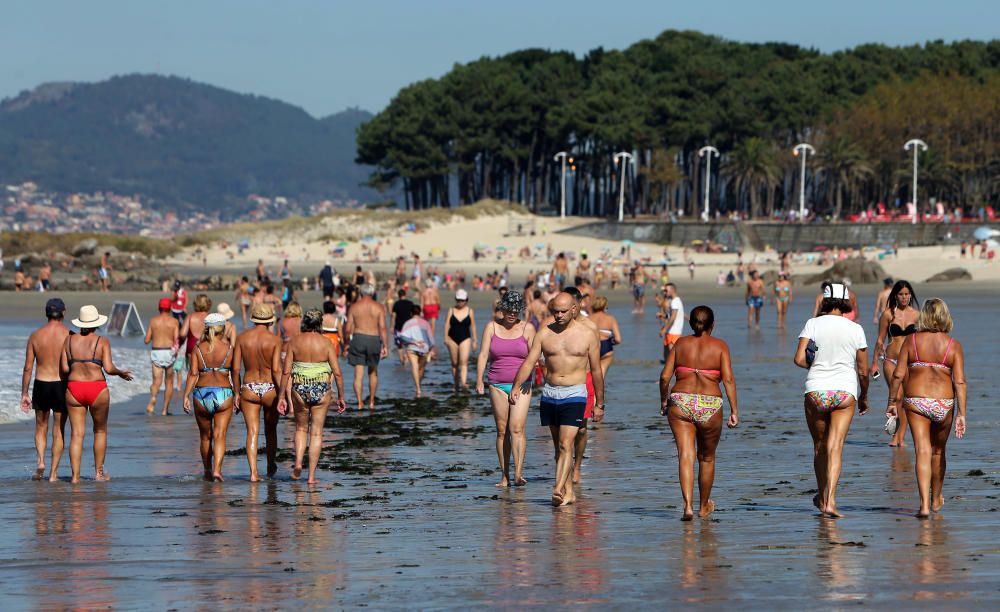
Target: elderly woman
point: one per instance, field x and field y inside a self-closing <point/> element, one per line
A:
<point x="607" y="331"/>
<point x="505" y="346"/>
<point x="460" y="338"/>
<point x="835" y="352"/>
<point x="693" y="406"/>
<point x="931" y="375"/>
<point x="85" y="360"/>
<point x="210" y="390"/>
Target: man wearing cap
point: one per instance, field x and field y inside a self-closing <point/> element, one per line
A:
<point x="367" y="342"/>
<point x="42" y="355"/>
<point x="164" y="335"/>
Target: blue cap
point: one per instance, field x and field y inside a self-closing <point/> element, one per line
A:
<point x="55" y="306"/>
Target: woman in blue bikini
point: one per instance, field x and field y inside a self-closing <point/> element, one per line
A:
<point x="210" y="391"/>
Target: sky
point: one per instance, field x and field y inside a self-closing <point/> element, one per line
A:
<point x="326" y="56"/>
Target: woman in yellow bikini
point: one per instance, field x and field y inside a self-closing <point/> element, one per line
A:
<point x="693" y="406"/>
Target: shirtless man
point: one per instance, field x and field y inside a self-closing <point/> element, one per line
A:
<point x="164" y="334"/>
<point x="45" y="276"/>
<point x="43" y="352"/>
<point x="580" y="446"/>
<point x="560" y="270"/>
<point x="569" y="347"/>
<point x="586" y="294"/>
<point x="537" y="309"/>
<point x="638" y="278"/>
<point x="583" y="267"/>
<point x="882" y="301"/>
<point x="367" y="343"/>
<point x="754" y="298"/>
<point x="430" y="304"/>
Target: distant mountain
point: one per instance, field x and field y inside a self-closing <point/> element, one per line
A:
<point x="181" y="142"/>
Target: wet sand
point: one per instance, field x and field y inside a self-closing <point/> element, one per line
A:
<point x="406" y="506"/>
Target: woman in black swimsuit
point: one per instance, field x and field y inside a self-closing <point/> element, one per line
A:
<point x="460" y="337"/>
<point x="898" y="321"/>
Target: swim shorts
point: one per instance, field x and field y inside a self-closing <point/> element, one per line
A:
<point x="431" y="311"/>
<point x="755" y="301"/>
<point x="161" y="358"/>
<point x="49" y="395"/>
<point x="671" y="339"/>
<point x="638" y="290"/>
<point x="564" y="405"/>
<point x="364" y="350"/>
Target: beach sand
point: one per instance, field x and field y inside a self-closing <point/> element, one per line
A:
<point x="406" y="514"/>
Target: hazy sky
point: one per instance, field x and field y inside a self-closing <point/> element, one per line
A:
<point x="329" y="55"/>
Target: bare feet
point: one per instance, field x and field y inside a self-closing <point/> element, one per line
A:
<point x="519" y="481"/>
<point x="688" y="515"/>
<point x="254" y="478"/>
<point x="830" y="510"/>
<point x="150" y="407"/>
<point x="568" y="499"/>
<point x="101" y="476"/>
<point x="707" y="509"/>
<point x="207" y="477"/>
<point x="217" y="477"/>
<point x="923" y="514"/>
<point x="371" y="406"/>
<point x="503" y="484"/>
<point x="312" y="481"/>
<point x="39" y="472"/>
<point x="166" y="413"/>
<point x="53" y="477"/>
<point x="816" y="502"/>
<point x="938" y="503"/>
<point x="272" y="469"/>
<point x="296" y="472"/>
<point x="75" y="479"/>
<point x="557" y="498"/>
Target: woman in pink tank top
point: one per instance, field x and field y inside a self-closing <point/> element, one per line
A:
<point x="505" y="346"/>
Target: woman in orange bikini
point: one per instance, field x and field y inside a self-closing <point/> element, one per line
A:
<point x="87" y="389"/>
<point x="931" y="376"/>
<point x="693" y="406"/>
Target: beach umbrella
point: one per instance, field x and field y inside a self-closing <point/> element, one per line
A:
<point x="342" y="244"/>
<point x="627" y="242"/>
<point x="984" y="233"/>
<point x="539" y="247"/>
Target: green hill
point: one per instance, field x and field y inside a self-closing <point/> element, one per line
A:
<point x="178" y="141"/>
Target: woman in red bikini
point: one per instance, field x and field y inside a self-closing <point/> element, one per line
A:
<point x="931" y="376"/>
<point x="693" y="406"/>
<point x="86" y="358"/>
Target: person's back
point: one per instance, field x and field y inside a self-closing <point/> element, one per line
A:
<point x="214" y="363"/>
<point x="930" y="361"/>
<point x="698" y="364"/>
<point x="365" y="315"/>
<point x="403" y="309"/>
<point x="46" y="343"/>
<point x="310" y="348"/>
<point x="838" y="341"/>
<point x="164" y="330"/>
<point x="257" y="348"/>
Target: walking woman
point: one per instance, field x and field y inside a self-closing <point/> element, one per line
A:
<point x="931" y="376"/>
<point x="460" y="338"/>
<point x="607" y="330"/>
<point x="782" y="296"/>
<point x="898" y="321"/>
<point x="311" y="364"/>
<point x="693" y="406"/>
<point x="505" y="347"/>
<point x="837" y="383"/>
<point x="258" y="351"/>
<point x="212" y="393"/>
<point x="86" y="358"/>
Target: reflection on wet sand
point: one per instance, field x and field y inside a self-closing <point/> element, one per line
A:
<point x="838" y="562"/>
<point x="703" y="576"/>
<point x="578" y="560"/>
<point x="933" y="562"/>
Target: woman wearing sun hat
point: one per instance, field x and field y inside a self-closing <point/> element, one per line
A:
<point x="258" y="351"/>
<point x="85" y="360"/>
<point x="211" y="389"/>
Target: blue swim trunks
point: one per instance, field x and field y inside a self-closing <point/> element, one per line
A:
<point x="755" y="301"/>
<point x="564" y="405"/>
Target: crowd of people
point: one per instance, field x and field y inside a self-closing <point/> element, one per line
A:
<point x="555" y="337"/>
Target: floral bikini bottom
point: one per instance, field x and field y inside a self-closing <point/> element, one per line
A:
<point x="825" y="401"/>
<point x="934" y="409"/>
<point x="695" y="407"/>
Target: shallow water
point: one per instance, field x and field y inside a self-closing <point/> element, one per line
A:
<point x="427" y="528"/>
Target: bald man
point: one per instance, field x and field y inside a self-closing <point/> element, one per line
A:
<point x="569" y="348"/>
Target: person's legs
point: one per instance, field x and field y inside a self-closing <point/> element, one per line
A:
<point x="898" y="439"/>
<point x="562" y="492"/>
<point x="579" y="449"/>
<point x="684" y="438"/>
<point x="301" y="434"/>
<point x="204" y="420"/>
<point x="414" y="370"/>
<point x="920" y="430"/>
<point x="168" y="389"/>
<point x="271" y="417"/>
<point x="501" y="414"/>
<point x="41" y="440"/>
<point x="372" y="385"/>
<point x="317" y="417"/>
<point x="708" y="436"/>
<point x="819" y="424"/>
<point x="359" y="377"/>
<point x="939" y="463"/>
<point x="463" y="364"/>
<point x="77" y="431"/>
<point x="154" y="387"/>
<point x="58" y="436"/>
<point x="220" y="427"/>
<point x="840" y="423"/>
<point x="99" y="415"/>
<point x="518" y="439"/>
<point x="453" y="353"/>
<point x="749" y="315"/>
<point x="251" y="415"/>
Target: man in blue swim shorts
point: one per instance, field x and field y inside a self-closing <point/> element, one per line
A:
<point x="755" y="298"/>
<point x="568" y="347"/>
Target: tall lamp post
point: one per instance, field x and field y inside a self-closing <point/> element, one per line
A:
<point x="710" y="151"/>
<point x="624" y="158"/>
<point x="563" y="155"/>
<point x="917" y="145"/>
<point x="803" y="150"/>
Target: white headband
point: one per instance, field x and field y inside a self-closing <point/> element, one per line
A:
<point x="836" y="290"/>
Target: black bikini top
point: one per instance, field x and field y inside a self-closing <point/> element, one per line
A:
<point x="897" y="331"/>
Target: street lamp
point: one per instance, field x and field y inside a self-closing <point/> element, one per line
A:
<point x="710" y="150"/>
<point x="625" y="158"/>
<point x="917" y="145"/>
<point x="562" y="205"/>
<point x="803" y="149"/>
